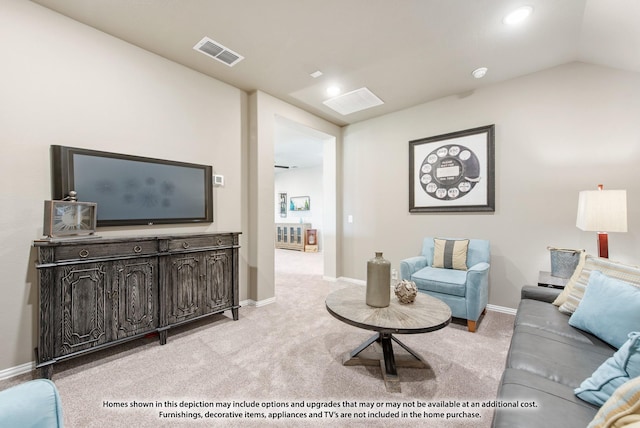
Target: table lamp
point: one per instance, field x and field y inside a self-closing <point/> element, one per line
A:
<point x="602" y="211"/>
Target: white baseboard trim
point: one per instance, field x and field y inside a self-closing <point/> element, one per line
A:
<point x="330" y="278"/>
<point x="257" y="304"/>
<point x="352" y="280"/>
<point x="17" y="370"/>
<point x="501" y="309"/>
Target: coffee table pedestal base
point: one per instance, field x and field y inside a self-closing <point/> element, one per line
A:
<point x="378" y="351"/>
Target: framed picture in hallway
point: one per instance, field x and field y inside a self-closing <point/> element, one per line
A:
<point x="299" y="203"/>
<point x="453" y="172"/>
<point x="283" y="204"/>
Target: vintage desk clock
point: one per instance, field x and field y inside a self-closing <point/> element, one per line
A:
<point x="69" y="217"/>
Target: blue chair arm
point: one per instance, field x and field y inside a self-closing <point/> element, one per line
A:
<point x="411" y="265"/>
<point x="479" y="267"/>
<point x="477" y="290"/>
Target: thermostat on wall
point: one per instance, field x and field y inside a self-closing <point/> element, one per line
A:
<point x="218" y="180"/>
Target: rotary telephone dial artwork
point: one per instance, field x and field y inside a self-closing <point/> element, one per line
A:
<point x="449" y="172"/>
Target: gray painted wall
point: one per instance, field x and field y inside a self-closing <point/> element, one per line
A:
<point x="558" y="131"/>
<point x="94" y="91"/>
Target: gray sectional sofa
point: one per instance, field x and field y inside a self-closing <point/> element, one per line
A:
<point x="547" y="359"/>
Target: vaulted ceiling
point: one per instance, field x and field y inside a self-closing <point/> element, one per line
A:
<point x="406" y="52"/>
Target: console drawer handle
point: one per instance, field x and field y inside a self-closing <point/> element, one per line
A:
<point x="137" y="249"/>
<point x="220" y="241"/>
<point x="185" y="245"/>
<point x="83" y="253"/>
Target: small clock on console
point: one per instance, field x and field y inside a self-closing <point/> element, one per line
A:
<point x="69" y="217"/>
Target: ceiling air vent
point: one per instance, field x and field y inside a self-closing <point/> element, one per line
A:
<point x="351" y="102"/>
<point x="217" y="51"/>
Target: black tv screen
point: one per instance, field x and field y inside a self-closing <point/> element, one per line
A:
<point x="133" y="190"/>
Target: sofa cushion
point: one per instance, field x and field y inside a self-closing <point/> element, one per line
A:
<point x="556" y="405"/>
<point x="559" y="358"/>
<point x="624" y="364"/>
<point x="450" y="253"/>
<point x="610" y="268"/>
<point x="546" y="318"/>
<point x="610" y="309"/>
<point x="622" y="408"/>
<point x="446" y="281"/>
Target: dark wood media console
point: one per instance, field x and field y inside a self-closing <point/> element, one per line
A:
<point x="99" y="292"/>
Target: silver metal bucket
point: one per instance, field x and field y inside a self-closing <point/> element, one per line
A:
<point x="564" y="261"/>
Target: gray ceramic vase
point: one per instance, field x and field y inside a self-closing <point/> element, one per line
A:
<point x="378" y="281"/>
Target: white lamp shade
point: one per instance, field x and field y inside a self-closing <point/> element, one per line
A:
<point x="602" y="211"/>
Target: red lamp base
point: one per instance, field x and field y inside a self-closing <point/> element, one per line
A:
<point x="603" y="245"/>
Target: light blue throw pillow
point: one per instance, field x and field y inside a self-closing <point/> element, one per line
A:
<point x="622" y="366"/>
<point x="610" y="309"/>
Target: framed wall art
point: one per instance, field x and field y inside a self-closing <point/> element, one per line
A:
<point x="299" y="203"/>
<point x="453" y="172"/>
<point x="283" y="204"/>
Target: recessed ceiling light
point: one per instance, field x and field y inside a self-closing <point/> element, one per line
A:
<point x="479" y="73"/>
<point x="332" y="91"/>
<point x="518" y="15"/>
<point x="316" y="74"/>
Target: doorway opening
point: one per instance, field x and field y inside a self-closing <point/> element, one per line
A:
<point x="305" y="198"/>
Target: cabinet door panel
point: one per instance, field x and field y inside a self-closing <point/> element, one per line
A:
<point x="82" y="319"/>
<point x="218" y="278"/>
<point x="134" y="299"/>
<point x="183" y="290"/>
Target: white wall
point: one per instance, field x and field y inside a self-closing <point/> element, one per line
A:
<point x="558" y="131"/>
<point x="301" y="182"/>
<point x="68" y="84"/>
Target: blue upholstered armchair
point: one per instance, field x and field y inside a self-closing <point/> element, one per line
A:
<point x="33" y="404"/>
<point x="465" y="291"/>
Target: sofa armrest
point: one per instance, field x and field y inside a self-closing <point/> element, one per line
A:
<point x="543" y="294"/>
<point x="411" y="265"/>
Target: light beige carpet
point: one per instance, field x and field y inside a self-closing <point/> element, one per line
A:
<point x="279" y="356"/>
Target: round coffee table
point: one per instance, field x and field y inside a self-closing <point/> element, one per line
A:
<point x="425" y="314"/>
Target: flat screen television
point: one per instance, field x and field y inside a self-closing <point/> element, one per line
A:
<point x="133" y="190"/>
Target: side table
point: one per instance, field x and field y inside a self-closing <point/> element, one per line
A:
<point x="545" y="279"/>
